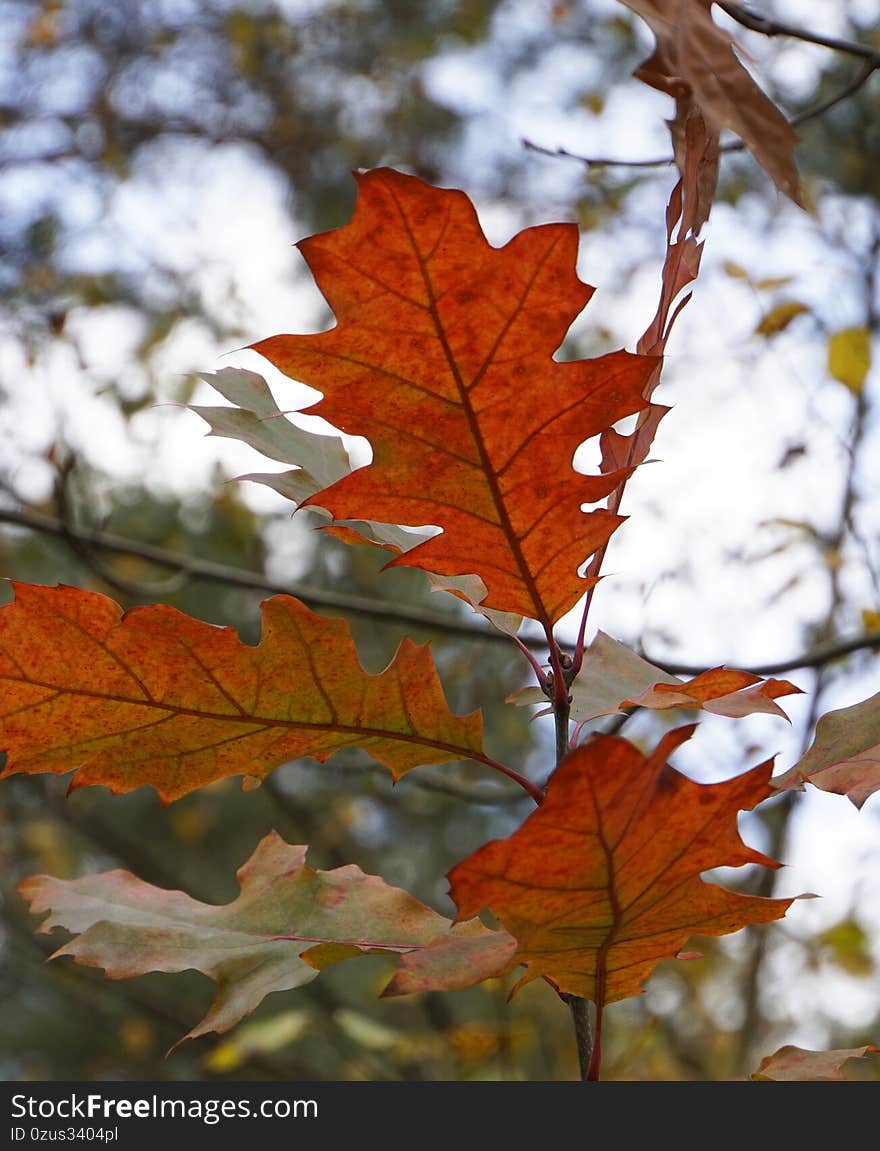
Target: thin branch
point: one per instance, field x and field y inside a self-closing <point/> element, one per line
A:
<point x="374" y="609"/>
<point x="238" y="577"/>
<point x="824" y="106"/>
<point x="598" y="161"/>
<point x="816" y="657"/>
<point x="770" y="27"/>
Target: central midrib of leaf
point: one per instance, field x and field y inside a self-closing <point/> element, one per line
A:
<point x="616" y="910"/>
<point x="541" y="615"/>
<point x="241" y="716"/>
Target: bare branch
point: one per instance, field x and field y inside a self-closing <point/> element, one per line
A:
<point x="229" y="576"/>
<point x="375" y="609"/>
<point x="815" y="657"/>
<point x="765" y="27"/>
<point x="769" y="27"/>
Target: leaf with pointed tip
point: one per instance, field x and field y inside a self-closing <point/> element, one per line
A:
<point x="257" y="944"/>
<point x="442" y="357"/>
<point x="321" y="460"/>
<point x="722" y="690"/>
<point x="602" y="881"/>
<point x="792" y="1063"/>
<point x="257" y="421"/>
<point x="155" y="697"/>
<point x="844" y="757"/>
<point x="614" y="677"/>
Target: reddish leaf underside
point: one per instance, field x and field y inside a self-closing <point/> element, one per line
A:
<point x="264" y="940"/>
<point x="442" y="358"/>
<point x="602" y="882"/>
<point x="614" y="677"/>
<point x="722" y="690"/>
<point x="154" y="697"/>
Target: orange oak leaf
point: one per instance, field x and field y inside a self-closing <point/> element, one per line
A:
<point x="844" y="756"/>
<point x="602" y="882"/>
<point x="694" y="62"/>
<point x="797" y="1063"/>
<point x="263" y="941"/>
<point x="442" y="357"/>
<point x="155" y="697"/>
<point x="722" y="690"/>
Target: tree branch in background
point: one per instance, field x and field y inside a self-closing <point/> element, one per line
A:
<point x="770" y="27"/>
<point x="375" y="609"/>
<point x="765" y="27"/>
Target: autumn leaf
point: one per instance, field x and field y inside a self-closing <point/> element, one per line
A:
<point x="796" y="1063"/>
<point x="256" y="420"/>
<point x="694" y="62"/>
<point x="602" y="882"/>
<point x="320" y="460"/>
<point x="154" y="697"/>
<point x="257" y="944"/>
<point x="722" y="690"/>
<point x="844" y="756"/>
<point x="442" y="357"/>
<point x="614" y="677"/>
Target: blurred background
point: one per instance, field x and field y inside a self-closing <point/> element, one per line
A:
<point x="158" y="161"/>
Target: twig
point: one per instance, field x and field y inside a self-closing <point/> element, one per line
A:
<point x="427" y="782"/>
<point x="769" y="28"/>
<point x="239" y="577"/>
<point x="374" y="609"/>
<point x="815" y="657"/>
<point x="732" y="146"/>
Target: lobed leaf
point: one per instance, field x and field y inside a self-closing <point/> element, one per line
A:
<point x="257" y="944"/>
<point x="155" y="697"/>
<point x="257" y="420"/>
<point x="602" y="882"/>
<point x="443" y="358"/>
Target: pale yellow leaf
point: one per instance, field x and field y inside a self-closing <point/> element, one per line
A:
<point x="778" y="318"/>
<point x="849" y="357"/>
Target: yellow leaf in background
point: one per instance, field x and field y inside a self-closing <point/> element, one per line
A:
<point x="367" y="1032"/>
<point x="871" y="620"/>
<point x="734" y="270"/>
<point x="847" y="945"/>
<point x="778" y="318"/>
<point x="772" y="282"/>
<point x="849" y="357"/>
